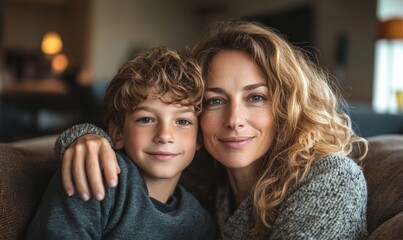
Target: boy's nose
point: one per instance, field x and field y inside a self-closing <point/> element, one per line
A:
<point x="164" y="134"/>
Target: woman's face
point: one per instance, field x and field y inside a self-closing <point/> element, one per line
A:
<point x="237" y="121"/>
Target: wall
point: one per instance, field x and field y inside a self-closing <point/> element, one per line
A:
<point x="357" y="19"/>
<point x="124" y="26"/>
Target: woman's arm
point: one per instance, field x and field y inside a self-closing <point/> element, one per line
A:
<point x="85" y="150"/>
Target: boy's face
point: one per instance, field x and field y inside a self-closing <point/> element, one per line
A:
<point x="160" y="138"/>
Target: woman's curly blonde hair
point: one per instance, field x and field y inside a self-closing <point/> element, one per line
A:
<point x="308" y="110"/>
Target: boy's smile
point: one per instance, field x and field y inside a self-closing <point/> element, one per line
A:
<point x="163" y="155"/>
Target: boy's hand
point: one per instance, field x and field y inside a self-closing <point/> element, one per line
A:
<point x="81" y="167"/>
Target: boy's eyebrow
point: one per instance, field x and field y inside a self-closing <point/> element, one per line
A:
<point x="183" y="109"/>
<point x="215" y="89"/>
<point x="248" y="88"/>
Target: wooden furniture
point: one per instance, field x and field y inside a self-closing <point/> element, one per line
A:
<point x="22" y="104"/>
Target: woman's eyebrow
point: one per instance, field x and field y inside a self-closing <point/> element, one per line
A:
<point x="248" y="88"/>
<point x="254" y="86"/>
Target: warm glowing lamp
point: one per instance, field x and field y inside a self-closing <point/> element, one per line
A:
<point x="51" y="43"/>
<point x="59" y="63"/>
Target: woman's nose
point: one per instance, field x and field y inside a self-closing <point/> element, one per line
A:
<point x="234" y="116"/>
<point x="164" y="134"/>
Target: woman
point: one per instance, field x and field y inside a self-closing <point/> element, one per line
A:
<point x="273" y="122"/>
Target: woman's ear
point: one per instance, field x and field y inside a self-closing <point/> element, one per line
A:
<point x="117" y="136"/>
<point x="199" y="140"/>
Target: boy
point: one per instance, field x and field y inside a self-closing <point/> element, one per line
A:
<point x="151" y="109"/>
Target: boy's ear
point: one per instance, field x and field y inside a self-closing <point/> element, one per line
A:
<point x="116" y="135"/>
<point x="199" y="141"/>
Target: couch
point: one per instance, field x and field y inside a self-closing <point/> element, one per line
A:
<point x="26" y="167"/>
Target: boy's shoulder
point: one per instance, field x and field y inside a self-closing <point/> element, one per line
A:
<point x="130" y="181"/>
<point x="129" y="171"/>
<point x="189" y="202"/>
<point x="124" y="161"/>
<point x="192" y="210"/>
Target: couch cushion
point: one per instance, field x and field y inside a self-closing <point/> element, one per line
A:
<point x="391" y="229"/>
<point x="383" y="170"/>
<point x="24" y="177"/>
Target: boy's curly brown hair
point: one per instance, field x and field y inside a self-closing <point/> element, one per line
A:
<point x="165" y="71"/>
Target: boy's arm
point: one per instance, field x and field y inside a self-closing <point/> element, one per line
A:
<point x="63" y="217"/>
<point x="85" y="149"/>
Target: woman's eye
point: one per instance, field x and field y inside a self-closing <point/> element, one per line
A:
<point x="145" y="120"/>
<point x="256" y="98"/>
<point x="213" y="101"/>
<point x="184" y="122"/>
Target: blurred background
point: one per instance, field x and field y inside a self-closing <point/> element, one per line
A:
<point x="56" y="56"/>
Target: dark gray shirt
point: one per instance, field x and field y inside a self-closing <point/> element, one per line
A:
<point x="127" y="212"/>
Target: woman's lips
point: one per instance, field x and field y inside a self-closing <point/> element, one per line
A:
<point x="236" y="142"/>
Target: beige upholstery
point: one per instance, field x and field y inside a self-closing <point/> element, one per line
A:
<point x="26" y="167"/>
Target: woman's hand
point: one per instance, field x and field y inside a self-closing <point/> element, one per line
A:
<point x="82" y="164"/>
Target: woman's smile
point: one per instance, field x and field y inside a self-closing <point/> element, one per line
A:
<point x="236" y="142"/>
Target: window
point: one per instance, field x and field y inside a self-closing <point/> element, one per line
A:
<point x="388" y="83"/>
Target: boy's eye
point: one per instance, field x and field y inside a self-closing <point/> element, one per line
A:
<point x="145" y="120"/>
<point x="184" y="122"/>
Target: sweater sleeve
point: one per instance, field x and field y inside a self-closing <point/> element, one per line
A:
<point x="71" y="134"/>
<point x="330" y="203"/>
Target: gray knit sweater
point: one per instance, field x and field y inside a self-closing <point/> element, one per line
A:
<point x="329" y="203"/>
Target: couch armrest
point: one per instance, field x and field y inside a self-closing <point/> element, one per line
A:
<point x="383" y="170"/>
<point x="25" y="169"/>
<point x="391" y="229"/>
